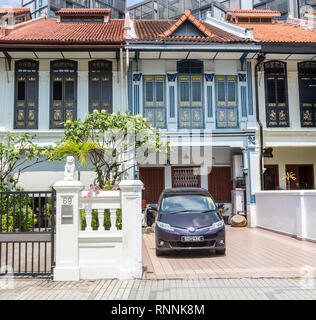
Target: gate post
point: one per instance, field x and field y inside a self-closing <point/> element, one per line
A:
<point x="131" y="195"/>
<point x="67" y="230"/>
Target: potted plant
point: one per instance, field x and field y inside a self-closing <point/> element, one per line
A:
<point x="288" y="177"/>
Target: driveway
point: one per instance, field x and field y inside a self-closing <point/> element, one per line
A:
<point x="250" y="253"/>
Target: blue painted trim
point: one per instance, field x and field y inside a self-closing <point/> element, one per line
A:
<point x="210" y="101"/>
<point x="243" y="101"/>
<point x="136" y="99"/>
<point x="252" y="196"/>
<point x="130" y="87"/>
<point x="250" y="98"/>
<point x="171" y="102"/>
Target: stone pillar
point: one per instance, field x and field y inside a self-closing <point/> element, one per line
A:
<point x="131" y="192"/>
<point x="67" y="230"/>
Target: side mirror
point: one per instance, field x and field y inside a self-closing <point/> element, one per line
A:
<point x="220" y="205"/>
<point x="153" y="207"/>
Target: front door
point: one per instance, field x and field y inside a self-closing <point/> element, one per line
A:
<point x="220" y="184"/>
<point x="154" y="182"/>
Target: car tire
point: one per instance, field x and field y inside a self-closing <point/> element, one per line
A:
<point x="159" y="253"/>
<point x="221" y="252"/>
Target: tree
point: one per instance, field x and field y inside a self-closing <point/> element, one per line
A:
<point x="80" y="150"/>
<point x="18" y="153"/>
<point x="119" y="138"/>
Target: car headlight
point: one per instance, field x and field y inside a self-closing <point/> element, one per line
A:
<point x="217" y="225"/>
<point x="164" y="226"/>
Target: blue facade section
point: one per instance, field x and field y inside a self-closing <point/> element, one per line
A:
<point x="243" y="101"/>
<point x="130" y="87"/>
<point x="250" y="98"/>
<point x="171" y="99"/>
<point x="136" y="99"/>
<point x="209" y="101"/>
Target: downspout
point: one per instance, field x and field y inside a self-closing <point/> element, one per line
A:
<point x="122" y="76"/>
<point x="260" y="59"/>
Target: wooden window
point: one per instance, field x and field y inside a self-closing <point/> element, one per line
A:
<point x="63" y="103"/>
<point x="277" y="113"/>
<point x="26" y="94"/>
<point x="226" y="102"/>
<point x="154" y="100"/>
<point x="307" y="87"/>
<point x="186" y="177"/>
<point x="100" y="85"/>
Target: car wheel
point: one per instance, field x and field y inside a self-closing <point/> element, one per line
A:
<point x="221" y="251"/>
<point x="159" y="253"/>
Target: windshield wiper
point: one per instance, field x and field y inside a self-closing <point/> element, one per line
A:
<point x="204" y="211"/>
<point x="182" y="211"/>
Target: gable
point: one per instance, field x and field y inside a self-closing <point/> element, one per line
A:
<point x="187" y="28"/>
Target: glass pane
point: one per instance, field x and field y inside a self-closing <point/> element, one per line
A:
<point x="105" y="94"/>
<point x="70" y="89"/>
<point x="21" y="90"/>
<point x="95" y="89"/>
<point x="57" y="90"/>
<point x="281" y="90"/>
<point x="149" y="91"/>
<point x="184" y="91"/>
<point x="231" y="91"/>
<point x="31" y="91"/>
<point x="271" y="91"/>
<point x="196" y="91"/>
<point x="221" y="96"/>
<point x="159" y="91"/>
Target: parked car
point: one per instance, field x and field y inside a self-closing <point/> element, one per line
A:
<point x="188" y="219"/>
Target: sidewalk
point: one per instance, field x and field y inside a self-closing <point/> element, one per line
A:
<point x="200" y="289"/>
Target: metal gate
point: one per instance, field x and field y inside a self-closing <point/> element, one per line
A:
<point x="27" y="233"/>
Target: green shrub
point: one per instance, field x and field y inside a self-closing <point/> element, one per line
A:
<point x="107" y="220"/>
<point x="5" y="226"/>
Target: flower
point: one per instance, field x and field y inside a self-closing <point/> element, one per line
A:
<point x="95" y="111"/>
<point x="103" y="111"/>
<point x="68" y="121"/>
<point x="16" y="151"/>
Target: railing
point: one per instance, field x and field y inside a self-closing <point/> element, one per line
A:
<point x="103" y="204"/>
<point x="27" y="222"/>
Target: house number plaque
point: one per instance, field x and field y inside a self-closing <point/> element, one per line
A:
<point x="67" y="211"/>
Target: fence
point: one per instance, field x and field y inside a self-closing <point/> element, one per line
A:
<point x="98" y="237"/>
<point x="27" y="222"/>
<point x="292" y="212"/>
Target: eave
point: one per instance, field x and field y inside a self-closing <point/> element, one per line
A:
<point x="288" y="47"/>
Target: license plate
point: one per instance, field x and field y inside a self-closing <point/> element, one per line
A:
<point x="192" y="238"/>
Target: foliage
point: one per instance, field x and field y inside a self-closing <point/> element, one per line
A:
<point x="107" y="220"/>
<point x="288" y="177"/>
<point x="80" y="150"/>
<point x="119" y="137"/>
<point x="17" y="153"/>
<point x="16" y="213"/>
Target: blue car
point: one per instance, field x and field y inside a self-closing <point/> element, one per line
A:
<point x="188" y="219"/>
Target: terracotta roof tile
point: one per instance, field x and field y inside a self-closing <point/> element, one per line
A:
<point x="254" y="12"/>
<point x="151" y="30"/>
<point x="73" y="12"/>
<point x="52" y="32"/>
<point x="279" y="32"/>
<point x="6" y="10"/>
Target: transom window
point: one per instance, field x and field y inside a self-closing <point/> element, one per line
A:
<point x="100" y="85"/>
<point x="307" y="86"/>
<point x="63" y="92"/>
<point x="226" y="102"/>
<point x="277" y="114"/>
<point x="190" y="93"/>
<point x="26" y="94"/>
<point x="155" y="100"/>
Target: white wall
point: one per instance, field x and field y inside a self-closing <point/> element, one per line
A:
<point x="290" y="212"/>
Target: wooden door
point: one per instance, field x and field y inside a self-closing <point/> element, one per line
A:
<point x="154" y="183"/>
<point x="220" y="184"/>
<point x="186" y="177"/>
<point x="271" y="177"/>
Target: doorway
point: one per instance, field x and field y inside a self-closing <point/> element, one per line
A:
<point x="271" y="177"/>
<point x="304" y="175"/>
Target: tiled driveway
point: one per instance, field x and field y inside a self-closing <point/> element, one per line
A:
<point x="251" y="253"/>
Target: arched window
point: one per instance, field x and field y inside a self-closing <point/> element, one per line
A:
<point x="26" y="94"/>
<point x="277" y="113"/>
<point x="63" y="92"/>
<point x="307" y="86"/>
<point x="100" y="85"/>
<point x="190" y="92"/>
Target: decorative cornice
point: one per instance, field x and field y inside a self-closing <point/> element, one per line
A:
<point x="209" y="76"/>
<point x="171" y="77"/>
<point x="137" y="76"/>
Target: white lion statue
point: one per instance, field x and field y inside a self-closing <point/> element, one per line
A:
<point x="70" y="169"/>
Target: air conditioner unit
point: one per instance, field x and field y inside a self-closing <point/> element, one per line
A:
<point x="237" y="166"/>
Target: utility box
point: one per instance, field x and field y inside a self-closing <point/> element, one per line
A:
<point x="237" y="166"/>
<point x="238" y="199"/>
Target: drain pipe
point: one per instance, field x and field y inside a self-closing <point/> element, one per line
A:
<point x="260" y="60"/>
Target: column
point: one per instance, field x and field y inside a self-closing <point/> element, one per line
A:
<point x="67" y="230"/>
<point x="131" y="192"/>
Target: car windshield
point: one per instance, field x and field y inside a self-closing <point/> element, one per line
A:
<point x="181" y="203"/>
